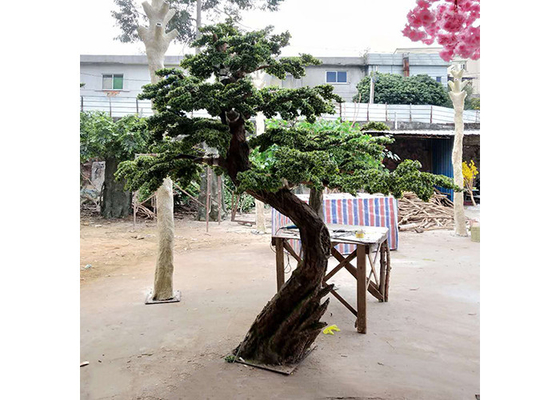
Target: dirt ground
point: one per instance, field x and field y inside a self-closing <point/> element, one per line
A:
<point x="422" y="344"/>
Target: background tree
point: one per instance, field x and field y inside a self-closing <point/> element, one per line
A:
<point x="128" y="16"/>
<point x="457" y="95"/>
<point x="397" y="89"/>
<point x="218" y="80"/>
<point x="113" y="142"/>
<point x="157" y="41"/>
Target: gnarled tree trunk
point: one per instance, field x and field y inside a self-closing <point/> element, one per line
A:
<point x="316" y="202"/>
<point x="116" y="202"/>
<point x="290" y="322"/>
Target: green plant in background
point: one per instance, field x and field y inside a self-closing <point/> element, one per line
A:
<point x="397" y="89"/>
<point x="471" y="102"/>
<point x="374" y="126"/>
<point x="112" y="141"/>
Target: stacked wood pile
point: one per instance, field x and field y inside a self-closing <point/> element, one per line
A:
<point x="419" y="216"/>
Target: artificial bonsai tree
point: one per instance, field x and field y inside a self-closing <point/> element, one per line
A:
<point x="266" y="166"/>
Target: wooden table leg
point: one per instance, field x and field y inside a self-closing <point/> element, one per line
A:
<point x="361" y="292"/>
<point x="279" y="244"/>
<point x="383" y="269"/>
<point x="388" y="271"/>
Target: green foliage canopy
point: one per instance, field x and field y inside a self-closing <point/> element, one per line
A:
<point x="332" y="154"/>
<point x="102" y="137"/>
<point x="317" y="154"/>
<point x="396" y="89"/>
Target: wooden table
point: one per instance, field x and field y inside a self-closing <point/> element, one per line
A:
<point x="372" y="246"/>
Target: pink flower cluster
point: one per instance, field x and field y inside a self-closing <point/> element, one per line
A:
<point x="448" y="22"/>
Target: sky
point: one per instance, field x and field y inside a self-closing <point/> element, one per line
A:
<point x="319" y="27"/>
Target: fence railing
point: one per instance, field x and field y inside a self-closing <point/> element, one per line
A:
<point x="120" y="106"/>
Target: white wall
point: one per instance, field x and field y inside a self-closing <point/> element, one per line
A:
<point x="317" y="75"/>
<point x="134" y="77"/>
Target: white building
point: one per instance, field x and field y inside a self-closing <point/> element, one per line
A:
<point x="114" y="82"/>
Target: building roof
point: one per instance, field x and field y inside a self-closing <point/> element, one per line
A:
<point x="371" y="59"/>
<point x="425" y="132"/>
<point x="413" y="58"/>
<point x="427" y="59"/>
<point x="175" y="60"/>
<point x="342" y="60"/>
<point x="111" y="59"/>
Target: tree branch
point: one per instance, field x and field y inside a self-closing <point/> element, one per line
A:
<point x="148" y="9"/>
<point x="211" y="160"/>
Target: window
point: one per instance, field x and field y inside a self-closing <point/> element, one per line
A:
<point x="438" y="79"/>
<point x="337" y="77"/>
<point x="113" y="81"/>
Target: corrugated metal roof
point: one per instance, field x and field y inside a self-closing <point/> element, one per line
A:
<point x="125" y="59"/>
<point x="413" y="58"/>
<point x="426" y="59"/>
<point x="426" y="132"/>
<point x="341" y="61"/>
<point x="384" y="59"/>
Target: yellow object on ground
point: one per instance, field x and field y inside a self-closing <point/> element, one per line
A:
<point x="329" y="330"/>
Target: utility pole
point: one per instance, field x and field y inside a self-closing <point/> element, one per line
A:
<point x="372" y="85"/>
<point x="198" y="21"/>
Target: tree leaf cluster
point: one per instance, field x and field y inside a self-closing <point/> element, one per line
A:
<point x="296" y="149"/>
<point x="102" y="137"/>
<point x="332" y="154"/>
<point x="397" y="89"/>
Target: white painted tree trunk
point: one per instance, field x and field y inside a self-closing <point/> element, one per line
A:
<point x="157" y="42"/>
<point x="458" y="95"/>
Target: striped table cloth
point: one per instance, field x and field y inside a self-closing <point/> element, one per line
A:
<point x="344" y="209"/>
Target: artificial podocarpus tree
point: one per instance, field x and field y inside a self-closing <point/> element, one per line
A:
<point x="290" y="322"/>
<point x="157" y="42"/>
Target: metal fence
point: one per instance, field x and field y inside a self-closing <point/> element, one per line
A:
<point x="118" y="106"/>
<point x="400" y="112"/>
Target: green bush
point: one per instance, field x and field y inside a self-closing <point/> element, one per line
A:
<point x="374" y="126"/>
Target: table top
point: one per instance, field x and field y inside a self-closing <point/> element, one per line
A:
<point x="342" y="234"/>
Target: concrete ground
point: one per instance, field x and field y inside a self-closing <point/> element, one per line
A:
<point x="422" y="344"/>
